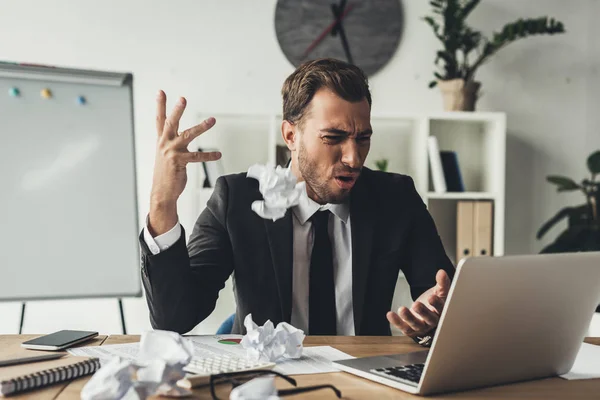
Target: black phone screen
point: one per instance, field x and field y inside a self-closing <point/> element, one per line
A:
<point x="61" y="338"/>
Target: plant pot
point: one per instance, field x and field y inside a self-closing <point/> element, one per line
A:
<point x="459" y="95"/>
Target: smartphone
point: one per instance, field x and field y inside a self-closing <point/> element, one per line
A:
<point x="58" y="340"/>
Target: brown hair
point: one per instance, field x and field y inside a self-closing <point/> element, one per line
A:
<point x="346" y="80"/>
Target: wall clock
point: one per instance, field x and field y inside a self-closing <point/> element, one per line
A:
<point x="363" y="32"/>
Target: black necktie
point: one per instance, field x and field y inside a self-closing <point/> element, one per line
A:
<point x="321" y="298"/>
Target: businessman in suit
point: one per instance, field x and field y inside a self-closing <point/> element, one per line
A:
<point x="330" y="265"/>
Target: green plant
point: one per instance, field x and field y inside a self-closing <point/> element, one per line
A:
<point x="460" y="41"/>
<point x="583" y="231"/>
<point x="382" y="164"/>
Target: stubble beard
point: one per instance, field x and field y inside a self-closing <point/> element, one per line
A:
<point x="308" y="169"/>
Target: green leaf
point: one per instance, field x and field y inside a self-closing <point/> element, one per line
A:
<point x="523" y="28"/>
<point x="382" y="164"/>
<point x="435" y="26"/>
<point x="593" y="162"/>
<point x="466" y="10"/>
<point x="432" y="84"/>
<point x="564" y="183"/>
<point x="566" y="189"/>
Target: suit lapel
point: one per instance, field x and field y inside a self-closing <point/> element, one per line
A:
<point x="362" y="220"/>
<point x="280" y="237"/>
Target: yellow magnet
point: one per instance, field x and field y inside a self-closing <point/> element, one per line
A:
<point x="46" y="93"/>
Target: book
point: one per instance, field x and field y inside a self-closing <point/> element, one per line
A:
<point x="451" y="170"/>
<point x="26" y="377"/>
<point x="435" y="164"/>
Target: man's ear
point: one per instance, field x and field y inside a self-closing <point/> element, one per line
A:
<point x="288" y="132"/>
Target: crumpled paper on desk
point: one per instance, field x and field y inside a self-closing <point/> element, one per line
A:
<point x="262" y="388"/>
<point x="267" y="343"/>
<point x="158" y="367"/>
<point x="279" y="188"/>
<point x="113" y="381"/>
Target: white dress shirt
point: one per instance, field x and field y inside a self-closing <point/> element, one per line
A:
<point x="340" y="235"/>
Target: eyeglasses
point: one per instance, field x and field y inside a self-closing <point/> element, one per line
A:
<point x="238" y="378"/>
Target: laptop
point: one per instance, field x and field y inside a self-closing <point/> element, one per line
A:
<point x="506" y="319"/>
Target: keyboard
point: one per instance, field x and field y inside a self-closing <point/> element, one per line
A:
<point x="408" y="374"/>
<point x="202" y="368"/>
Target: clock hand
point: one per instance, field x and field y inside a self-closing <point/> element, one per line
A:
<point x="326" y="31"/>
<point x="340" y="28"/>
<point x="336" y="15"/>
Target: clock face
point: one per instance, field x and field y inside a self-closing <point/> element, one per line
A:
<point x="363" y="32"/>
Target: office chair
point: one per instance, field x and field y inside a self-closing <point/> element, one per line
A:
<point x="227" y="325"/>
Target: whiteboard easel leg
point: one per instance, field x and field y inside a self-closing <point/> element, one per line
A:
<point x="122" y="317"/>
<point x="22" y="318"/>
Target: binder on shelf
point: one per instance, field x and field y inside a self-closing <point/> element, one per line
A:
<point x="452" y="175"/>
<point x="435" y="165"/>
<point x="474" y="228"/>
<point x="464" y="229"/>
<point x="483" y="228"/>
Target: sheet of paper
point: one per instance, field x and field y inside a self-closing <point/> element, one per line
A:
<point x="314" y="360"/>
<point x="587" y="363"/>
<point x="219" y="344"/>
<point x="204" y="346"/>
<point x="127" y="351"/>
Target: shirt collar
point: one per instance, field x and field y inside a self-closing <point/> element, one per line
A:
<point x="307" y="207"/>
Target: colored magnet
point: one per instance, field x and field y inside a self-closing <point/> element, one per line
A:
<point x="14" y="92"/>
<point x="46" y="93"/>
<point x="81" y="100"/>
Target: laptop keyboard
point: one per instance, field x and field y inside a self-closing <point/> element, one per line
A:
<point x="409" y="374"/>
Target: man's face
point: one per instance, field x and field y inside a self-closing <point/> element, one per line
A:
<point x="333" y="144"/>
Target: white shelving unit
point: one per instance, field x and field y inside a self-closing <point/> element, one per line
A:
<point x="479" y="140"/>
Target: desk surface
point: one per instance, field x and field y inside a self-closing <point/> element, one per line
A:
<point x="352" y="387"/>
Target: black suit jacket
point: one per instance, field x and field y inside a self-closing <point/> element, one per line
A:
<point x="391" y="231"/>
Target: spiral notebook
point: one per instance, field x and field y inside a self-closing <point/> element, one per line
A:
<point x="21" y="378"/>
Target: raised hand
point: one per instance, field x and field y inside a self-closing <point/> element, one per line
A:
<point x="424" y="315"/>
<point x="172" y="157"/>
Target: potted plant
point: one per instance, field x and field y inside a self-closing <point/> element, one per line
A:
<point x="583" y="229"/>
<point x="466" y="49"/>
<point x="382" y="164"/>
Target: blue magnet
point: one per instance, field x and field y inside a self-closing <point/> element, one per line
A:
<point x="14" y="92"/>
<point x="81" y="100"/>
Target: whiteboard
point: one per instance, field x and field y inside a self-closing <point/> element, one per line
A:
<point x="69" y="220"/>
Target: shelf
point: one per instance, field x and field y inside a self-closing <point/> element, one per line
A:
<point x="461" y="196"/>
<point x="477" y="138"/>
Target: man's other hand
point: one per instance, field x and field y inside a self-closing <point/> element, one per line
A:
<point x="424" y="315"/>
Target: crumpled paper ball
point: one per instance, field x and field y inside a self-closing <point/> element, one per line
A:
<point x="279" y="188"/>
<point x="270" y="344"/>
<point x="113" y="381"/>
<point x="262" y="388"/>
<point x="156" y="370"/>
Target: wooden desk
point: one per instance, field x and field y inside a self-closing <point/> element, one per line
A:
<point x="352" y="387"/>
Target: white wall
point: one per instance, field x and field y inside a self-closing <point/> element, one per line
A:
<point x="224" y="57"/>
